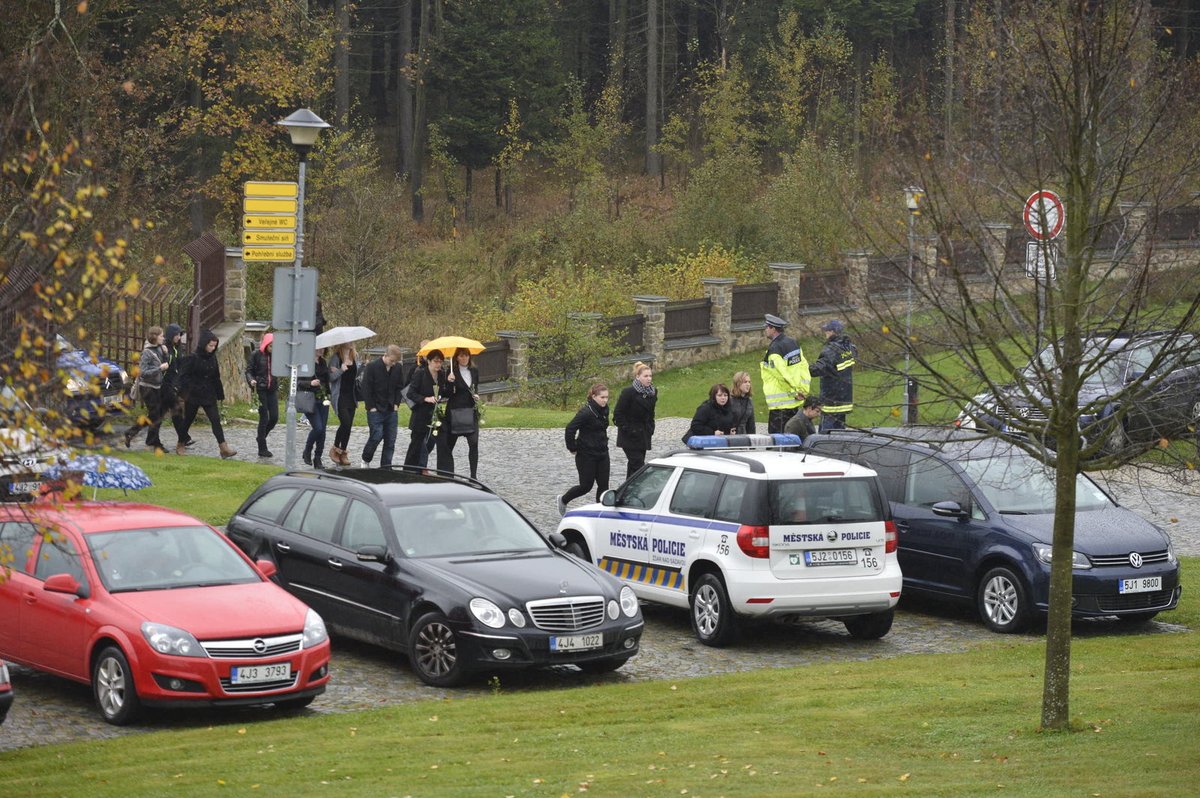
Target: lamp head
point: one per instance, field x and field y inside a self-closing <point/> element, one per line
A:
<point x="913" y="197"/>
<point x="303" y="127"/>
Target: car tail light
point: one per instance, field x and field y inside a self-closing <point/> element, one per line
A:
<point x="889" y="537"/>
<point x="755" y="541"/>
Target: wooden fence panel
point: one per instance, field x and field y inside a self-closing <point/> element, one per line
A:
<point x="752" y="302"/>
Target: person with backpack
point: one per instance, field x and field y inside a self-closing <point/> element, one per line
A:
<point x="152" y="367"/>
<point x="587" y="439"/>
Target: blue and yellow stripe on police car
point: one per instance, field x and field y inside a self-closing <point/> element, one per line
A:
<point x="643" y="573"/>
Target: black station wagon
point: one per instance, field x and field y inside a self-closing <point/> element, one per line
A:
<point x="437" y="567"/>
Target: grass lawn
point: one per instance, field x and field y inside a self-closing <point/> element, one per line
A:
<point x="920" y="725"/>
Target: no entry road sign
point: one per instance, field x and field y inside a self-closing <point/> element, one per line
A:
<point x="1044" y="215"/>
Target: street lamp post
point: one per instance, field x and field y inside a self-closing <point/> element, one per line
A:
<point x="303" y="127"/>
<point x="912" y="200"/>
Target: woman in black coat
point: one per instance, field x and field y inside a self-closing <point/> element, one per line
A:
<point x="462" y="390"/>
<point x="742" y="403"/>
<point x="714" y="416"/>
<point x="587" y="439"/>
<point x="200" y="384"/>
<point x="634" y="417"/>
<point x="425" y="386"/>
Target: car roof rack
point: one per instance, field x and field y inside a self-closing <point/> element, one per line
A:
<point x="349" y="474"/>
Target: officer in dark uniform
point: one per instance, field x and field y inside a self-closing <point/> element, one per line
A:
<point x="835" y="367"/>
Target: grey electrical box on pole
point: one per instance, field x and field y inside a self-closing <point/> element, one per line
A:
<point x="284" y="301"/>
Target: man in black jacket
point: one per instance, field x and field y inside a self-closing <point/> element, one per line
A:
<point x="835" y="367"/>
<point x="381" y="384"/>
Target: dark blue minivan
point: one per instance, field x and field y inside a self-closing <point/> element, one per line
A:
<point x="975" y="520"/>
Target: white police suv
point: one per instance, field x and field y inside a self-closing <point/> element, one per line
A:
<point x="747" y="527"/>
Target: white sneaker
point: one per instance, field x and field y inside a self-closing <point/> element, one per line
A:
<point x="562" y="506"/>
<point x="365" y="464"/>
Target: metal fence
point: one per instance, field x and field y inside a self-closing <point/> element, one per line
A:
<point x="208" y="303"/>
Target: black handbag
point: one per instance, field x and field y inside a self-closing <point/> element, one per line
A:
<point x="306" y="402"/>
<point x="463" y="420"/>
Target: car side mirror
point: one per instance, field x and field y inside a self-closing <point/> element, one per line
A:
<point x="949" y="510"/>
<point x="609" y="498"/>
<point x="373" y="554"/>
<point x="266" y="568"/>
<point x="65" y="583"/>
<point x="558" y="540"/>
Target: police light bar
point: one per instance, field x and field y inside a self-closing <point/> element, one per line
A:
<point x="743" y="441"/>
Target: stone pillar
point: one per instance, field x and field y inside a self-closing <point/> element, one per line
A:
<point x="235" y="285"/>
<point x="719" y="291"/>
<point x="654" y="309"/>
<point x="857" y="275"/>
<point x="995" y="245"/>
<point x="518" y="353"/>
<point x="787" y="276"/>
<point x="1137" y="221"/>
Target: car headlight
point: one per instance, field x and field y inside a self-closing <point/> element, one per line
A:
<point x="124" y="375"/>
<point x="1171" y="558"/>
<point x="516" y="618"/>
<point x="487" y="613"/>
<point x="169" y="640"/>
<point x="74" y="385"/>
<point x="314" y="630"/>
<point x="1045" y="553"/>
<point x="629" y="604"/>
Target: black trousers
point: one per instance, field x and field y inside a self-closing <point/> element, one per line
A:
<point x="268" y="414"/>
<point x="445" y="450"/>
<point x="214" y="420"/>
<point x="636" y="458"/>
<point x="152" y="398"/>
<point x="345" y="414"/>
<point x="593" y="470"/>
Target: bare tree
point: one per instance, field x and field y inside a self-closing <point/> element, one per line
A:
<point x="1090" y="108"/>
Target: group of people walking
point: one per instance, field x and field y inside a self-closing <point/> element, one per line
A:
<point x="444" y="402"/>
<point x="786" y="377"/>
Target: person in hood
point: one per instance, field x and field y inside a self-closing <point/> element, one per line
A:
<point x="172" y="397"/>
<point x="835" y="367"/>
<point x="264" y="384"/>
<point x="152" y="367"/>
<point x="587" y="439"/>
<point x="200" y="383"/>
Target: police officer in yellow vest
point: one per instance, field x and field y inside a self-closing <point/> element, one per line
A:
<point x="785" y="374"/>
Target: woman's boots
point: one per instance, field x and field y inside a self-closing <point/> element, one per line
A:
<point x="338" y="456"/>
<point x="227" y="451"/>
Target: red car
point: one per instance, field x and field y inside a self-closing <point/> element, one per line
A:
<point x="152" y="608"/>
<point x="5" y="691"/>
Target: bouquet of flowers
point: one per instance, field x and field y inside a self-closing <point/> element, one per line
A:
<point x="439" y="415"/>
<point x="480" y="410"/>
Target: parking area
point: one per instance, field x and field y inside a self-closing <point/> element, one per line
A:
<point x="530" y="467"/>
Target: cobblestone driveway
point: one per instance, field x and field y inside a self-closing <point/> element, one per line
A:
<point x="529" y="467"/>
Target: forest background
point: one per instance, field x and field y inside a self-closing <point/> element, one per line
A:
<point x="493" y="165"/>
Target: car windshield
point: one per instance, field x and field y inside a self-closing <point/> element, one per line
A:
<point x="162" y="558"/>
<point x="455" y="528"/>
<point x="824" y="501"/>
<point x="1017" y="483"/>
<point x="1117" y="363"/>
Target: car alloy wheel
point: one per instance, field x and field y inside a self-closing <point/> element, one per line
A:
<point x="433" y="651"/>
<point x="1002" y="601"/>
<point x="712" y="612"/>
<point x="112" y="683"/>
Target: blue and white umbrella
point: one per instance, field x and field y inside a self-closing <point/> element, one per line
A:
<point x="101" y="471"/>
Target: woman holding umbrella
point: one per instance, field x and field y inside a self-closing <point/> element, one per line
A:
<point x="461" y="392"/>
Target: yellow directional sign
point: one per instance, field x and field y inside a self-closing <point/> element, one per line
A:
<point x="268" y="237"/>
<point x="259" y="222"/>
<point x="268" y="253"/>
<point x="269" y="205"/>
<point x="258" y="188"/>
